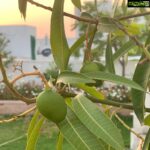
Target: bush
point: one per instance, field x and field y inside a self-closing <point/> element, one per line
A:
<point x="117" y="93"/>
<point x="27" y="89"/>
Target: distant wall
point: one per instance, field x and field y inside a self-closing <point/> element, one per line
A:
<point x="19" y="37"/>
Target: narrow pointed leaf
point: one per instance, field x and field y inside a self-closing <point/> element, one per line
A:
<point x="114" y="78"/>
<point x="123" y="49"/>
<point x="60" y="49"/>
<point x="77" y="3"/>
<point x="77" y="135"/>
<point x="97" y="122"/>
<point x="60" y="141"/>
<point x="73" y="77"/>
<point x="77" y="43"/>
<point x="32" y="123"/>
<point x="109" y="56"/>
<point x="91" y="90"/>
<point x="147" y="120"/>
<point x="22" y="7"/>
<point x="147" y="40"/>
<point x="141" y="76"/>
<point x="31" y="143"/>
<point x="146" y="144"/>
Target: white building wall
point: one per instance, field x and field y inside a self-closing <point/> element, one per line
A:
<point x="19" y="37"/>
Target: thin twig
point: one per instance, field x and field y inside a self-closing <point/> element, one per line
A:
<point x="127" y="127"/>
<point x="133" y="16"/>
<point x="87" y="19"/>
<point x="10" y="86"/>
<point x="14" y="118"/>
<point x="35" y="73"/>
<point x="133" y="38"/>
<point x="92" y="21"/>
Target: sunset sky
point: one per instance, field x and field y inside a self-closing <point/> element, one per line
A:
<point x="9" y="15"/>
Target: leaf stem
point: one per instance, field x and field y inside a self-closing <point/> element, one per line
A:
<point x="127" y="127"/>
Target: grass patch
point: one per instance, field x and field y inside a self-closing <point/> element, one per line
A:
<point x="12" y="136"/>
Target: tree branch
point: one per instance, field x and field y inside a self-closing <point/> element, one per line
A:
<point x="133" y="16"/>
<point x="127" y="127"/>
<point x="92" y="21"/>
<point x="14" y="118"/>
<point x="10" y="86"/>
<point x="133" y="38"/>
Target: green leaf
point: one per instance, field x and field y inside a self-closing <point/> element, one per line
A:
<point x="77" y="43"/>
<point x="86" y="15"/>
<point x="60" y="142"/>
<point x="77" y="135"/>
<point x="147" y="40"/>
<point x="141" y="77"/>
<point x="31" y="143"/>
<point x="77" y="3"/>
<point x="123" y="49"/>
<point x="97" y="122"/>
<point x="146" y="144"/>
<point x="60" y="49"/>
<point x="73" y="77"/>
<point x="147" y="120"/>
<point x="114" y="78"/>
<point x="91" y="90"/>
<point x="32" y="123"/>
<point x="106" y="25"/>
<point x="22" y="7"/>
<point x="109" y="56"/>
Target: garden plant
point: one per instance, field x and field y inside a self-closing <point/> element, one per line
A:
<point x="73" y="101"/>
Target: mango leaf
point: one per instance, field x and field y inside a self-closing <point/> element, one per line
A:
<point x="60" y="49"/>
<point x="32" y="123"/>
<point x="146" y="144"/>
<point x="77" y="3"/>
<point x="91" y="90"/>
<point x="77" y="135"/>
<point x="22" y="7"/>
<point x="132" y="28"/>
<point x="147" y="40"/>
<point x="106" y="25"/>
<point x="73" y="77"/>
<point x="60" y="142"/>
<point x="86" y="15"/>
<point x="31" y="143"/>
<point x="147" y="120"/>
<point x="109" y="56"/>
<point x="141" y="77"/>
<point x="123" y="49"/>
<point x="77" y="43"/>
<point x="97" y="122"/>
<point x="114" y="78"/>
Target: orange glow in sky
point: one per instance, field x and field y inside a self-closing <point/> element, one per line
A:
<point x="38" y="17"/>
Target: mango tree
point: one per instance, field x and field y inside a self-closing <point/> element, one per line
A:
<point x="72" y="101"/>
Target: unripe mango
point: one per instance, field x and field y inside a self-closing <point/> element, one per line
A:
<point x="51" y="105"/>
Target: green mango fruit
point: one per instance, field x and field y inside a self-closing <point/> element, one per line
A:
<point x="51" y="105"/>
<point x="93" y="67"/>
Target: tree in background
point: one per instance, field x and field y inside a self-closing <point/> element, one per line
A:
<point x="6" y="54"/>
<point x="120" y="40"/>
<point x="70" y="103"/>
